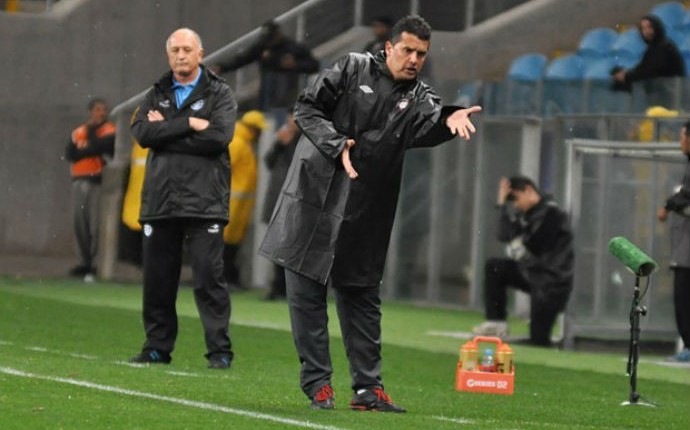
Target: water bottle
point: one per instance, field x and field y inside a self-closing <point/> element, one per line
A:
<point x="504" y="359"/>
<point x="468" y="356"/>
<point x="488" y="361"/>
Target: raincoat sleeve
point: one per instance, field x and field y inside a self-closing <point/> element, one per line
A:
<point x="315" y="106"/>
<point x="430" y="121"/>
<point x="508" y="225"/>
<point x="679" y="203"/>
<point x="176" y="135"/>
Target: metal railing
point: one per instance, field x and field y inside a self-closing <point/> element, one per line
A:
<point x="30" y="6"/>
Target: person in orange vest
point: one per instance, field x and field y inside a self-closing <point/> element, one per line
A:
<point x="243" y="168"/>
<point x="86" y="149"/>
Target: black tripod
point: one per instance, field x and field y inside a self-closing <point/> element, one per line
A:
<point x="636" y="310"/>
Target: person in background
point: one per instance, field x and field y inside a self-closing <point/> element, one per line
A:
<point x="540" y="260"/>
<point x="333" y="219"/>
<point x="381" y="27"/>
<point x="243" y="166"/>
<point x="131" y="204"/>
<point x="661" y="59"/>
<point x="281" y="62"/>
<point x="86" y="149"/>
<point x="186" y="120"/>
<point x="277" y="160"/>
<point x="677" y="208"/>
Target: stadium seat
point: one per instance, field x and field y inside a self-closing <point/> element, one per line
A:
<point x="628" y="48"/>
<point x="677" y="36"/>
<point x="685" y="25"/>
<point x="528" y="67"/>
<point x="600" y="69"/>
<point x="569" y="67"/>
<point x="626" y="62"/>
<point x="671" y="14"/>
<point x="596" y="43"/>
<point x="468" y="94"/>
<point x="685" y="46"/>
<point x="563" y="89"/>
<point x="685" y="52"/>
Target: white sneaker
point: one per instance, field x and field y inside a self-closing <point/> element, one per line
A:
<point x="491" y="328"/>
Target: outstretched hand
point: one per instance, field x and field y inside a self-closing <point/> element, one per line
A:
<point x="459" y="122"/>
<point x="345" y="157"/>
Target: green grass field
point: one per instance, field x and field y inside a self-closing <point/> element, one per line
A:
<point x="64" y="347"/>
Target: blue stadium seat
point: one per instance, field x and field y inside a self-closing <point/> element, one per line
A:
<point x="569" y="67"/>
<point x="628" y="48"/>
<point x="671" y="14"/>
<point x="563" y="89"/>
<point x="468" y="94"/>
<point x="528" y="67"/>
<point x="626" y="61"/>
<point x="685" y="52"/>
<point x="599" y="69"/>
<point x="597" y="43"/>
<point x="685" y="25"/>
<point x="677" y="36"/>
<point x="685" y="46"/>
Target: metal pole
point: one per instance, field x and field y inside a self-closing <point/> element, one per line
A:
<point x="414" y="7"/>
<point x="359" y="12"/>
<point x="300" y="29"/>
<point x="469" y="13"/>
<point x="477" y="240"/>
<point x="433" y="277"/>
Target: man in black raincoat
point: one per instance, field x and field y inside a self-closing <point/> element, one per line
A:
<point x="540" y="263"/>
<point x="662" y="59"/>
<point x="333" y="219"/>
<point x="187" y="120"/>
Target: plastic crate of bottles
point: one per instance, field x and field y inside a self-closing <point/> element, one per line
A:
<point x="493" y="372"/>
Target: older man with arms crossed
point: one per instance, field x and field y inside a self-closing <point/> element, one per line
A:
<point x="187" y="120"/>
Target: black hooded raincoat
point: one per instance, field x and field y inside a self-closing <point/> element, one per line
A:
<point x="662" y="59"/>
<point x="326" y="225"/>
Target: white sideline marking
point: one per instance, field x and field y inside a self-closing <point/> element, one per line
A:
<point x="179" y="373"/>
<point x="663" y="363"/>
<point x="175" y="400"/>
<point x="451" y="334"/>
<point x="453" y="420"/>
<point x="120" y="363"/>
<point x="4" y="342"/>
<point x="84" y="356"/>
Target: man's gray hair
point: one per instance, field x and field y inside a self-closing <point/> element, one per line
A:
<point x="194" y="33"/>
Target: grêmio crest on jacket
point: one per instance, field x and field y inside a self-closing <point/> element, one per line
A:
<point x="197" y="105"/>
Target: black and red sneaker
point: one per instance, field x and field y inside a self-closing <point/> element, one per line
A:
<point x="323" y="399"/>
<point x="374" y="399"/>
